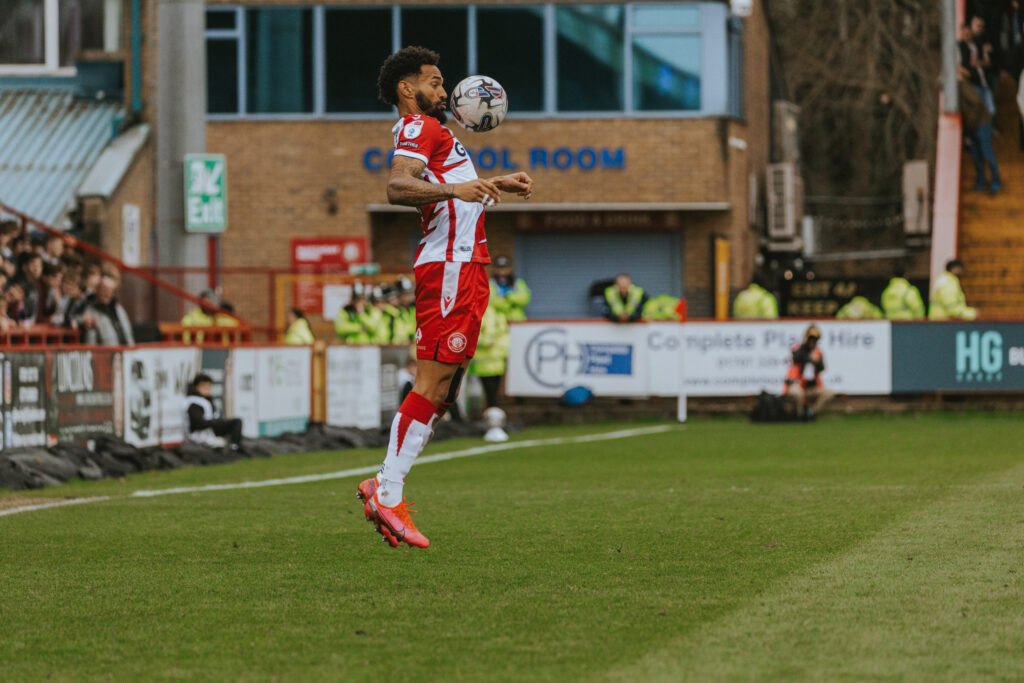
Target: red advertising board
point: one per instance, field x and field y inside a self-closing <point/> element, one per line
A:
<point x="323" y="255"/>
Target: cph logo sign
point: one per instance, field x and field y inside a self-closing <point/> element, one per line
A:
<point x="979" y="356"/>
<point x="552" y="360"/>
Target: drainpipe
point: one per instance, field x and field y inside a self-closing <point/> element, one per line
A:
<point x="136" y="58"/>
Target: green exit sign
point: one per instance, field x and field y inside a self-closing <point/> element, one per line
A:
<point x="206" y="193"/>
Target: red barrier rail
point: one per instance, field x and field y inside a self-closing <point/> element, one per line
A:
<point x="39" y="335"/>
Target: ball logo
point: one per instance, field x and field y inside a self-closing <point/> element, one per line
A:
<point x="457" y="342"/>
<point x="484" y="91"/>
<point x="419" y="335"/>
<point x="412" y="130"/>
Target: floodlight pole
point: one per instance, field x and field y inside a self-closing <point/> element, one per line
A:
<point x="950" y="105"/>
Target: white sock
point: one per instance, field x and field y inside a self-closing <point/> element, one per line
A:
<point x="410" y="432"/>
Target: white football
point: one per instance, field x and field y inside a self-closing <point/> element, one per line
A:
<point x="478" y="103"/>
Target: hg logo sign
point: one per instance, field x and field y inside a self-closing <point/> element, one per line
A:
<point x="551" y="360"/>
<point x="979" y="356"/>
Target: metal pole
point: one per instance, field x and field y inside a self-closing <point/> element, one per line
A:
<point x="951" y="104"/>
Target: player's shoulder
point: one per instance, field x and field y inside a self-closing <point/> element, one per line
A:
<point x="412" y="126"/>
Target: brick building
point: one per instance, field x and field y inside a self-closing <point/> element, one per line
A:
<point x="644" y="125"/>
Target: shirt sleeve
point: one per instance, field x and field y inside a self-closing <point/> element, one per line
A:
<point x="418" y="138"/>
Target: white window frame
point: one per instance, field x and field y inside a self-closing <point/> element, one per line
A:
<point x="51" y="49"/>
<point x="712" y="29"/>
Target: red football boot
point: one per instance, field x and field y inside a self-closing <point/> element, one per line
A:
<point x="397" y="521"/>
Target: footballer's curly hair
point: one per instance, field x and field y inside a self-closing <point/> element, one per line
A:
<point x="406" y="62"/>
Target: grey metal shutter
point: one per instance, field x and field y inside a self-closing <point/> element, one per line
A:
<point x="560" y="268"/>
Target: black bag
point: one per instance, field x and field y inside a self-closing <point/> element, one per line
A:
<point x="769" y="408"/>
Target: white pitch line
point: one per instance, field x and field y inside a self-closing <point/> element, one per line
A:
<point x="343" y="474"/>
<point x="46" y="506"/>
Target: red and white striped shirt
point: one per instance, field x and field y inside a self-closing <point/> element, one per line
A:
<point x="453" y="230"/>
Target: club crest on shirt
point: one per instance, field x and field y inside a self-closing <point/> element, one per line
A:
<point x="412" y="130"/>
<point x="419" y="335"/>
<point x="457" y="342"/>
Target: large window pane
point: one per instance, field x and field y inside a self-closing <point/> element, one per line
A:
<point x="222" y="76"/>
<point x="279" y="77"/>
<point x="666" y="72"/>
<point x="220" y="19"/>
<point x="22" y="29"/>
<point x="666" y="17"/>
<point x="510" y="48"/>
<point x="80" y="27"/>
<point x="590" y="57"/>
<point x="356" y="42"/>
<point x="445" y="32"/>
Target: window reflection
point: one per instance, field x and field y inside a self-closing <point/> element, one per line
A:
<point x="666" y="72"/>
<point x="510" y="48"/>
<point x="280" y="61"/>
<point x="590" y="57"/>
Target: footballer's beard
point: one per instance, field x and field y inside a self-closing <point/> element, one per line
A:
<point x="431" y="108"/>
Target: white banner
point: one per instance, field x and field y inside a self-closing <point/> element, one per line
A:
<point x="283" y="377"/>
<point x="240" y="388"/>
<point x="745" y="358"/>
<point x="546" y="359"/>
<point x="155" y="384"/>
<point x="353" y="386"/>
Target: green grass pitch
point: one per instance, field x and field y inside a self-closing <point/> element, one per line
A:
<point x="858" y="547"/>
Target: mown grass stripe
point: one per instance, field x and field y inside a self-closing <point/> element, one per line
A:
<point x="936" y="595"/>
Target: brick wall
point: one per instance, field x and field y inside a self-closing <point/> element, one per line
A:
<point x="280" y="173"/>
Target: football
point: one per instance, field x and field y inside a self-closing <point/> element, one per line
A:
<point x="478" y="103"/>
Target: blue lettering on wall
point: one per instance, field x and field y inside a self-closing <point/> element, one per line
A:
<point x="562" y="158"/>
<point x="617" y="161"/>
<point x="586" y="159"/>
<point x="489" y="158"/>
<point x="538" y="157"/>
<point x="506" y="163"/>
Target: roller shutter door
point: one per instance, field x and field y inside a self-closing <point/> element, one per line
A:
<point x="561" y="267"/>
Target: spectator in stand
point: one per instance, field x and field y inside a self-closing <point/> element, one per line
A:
<point x="510" y="294"/>
<point x="14" y="299"/>
<point x="977" y="124"/>
<point x="202" y="316"/>
<point x="756" y="302"/>
<point x="986" y="59"/>
<point x="91" y="279"/>
<point x="859" y="308"/>
<point x="391" y="316"/>
<point x="624" y="301"/>
<point x="72" y="301"/>
<point x="205" y="425"/>
<point x="30" y="273"/>
<point x="53" y="249"/>
<point x="405" y="329"/>
<point x="105" y="321"/>
<point x="902" y="300"/>
<point x="972" y="67"/>
<point x="50" y="293"/>
<point x="947" y="299"/>
<point x="8" y="232"/>
<point x="354" y="322"/>
<point x="21" y="244"/>
<point x="298" y="331"/>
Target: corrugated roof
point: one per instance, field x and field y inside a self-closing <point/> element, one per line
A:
<point x="48" y="143"/>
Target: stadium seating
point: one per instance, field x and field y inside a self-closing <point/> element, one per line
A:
<point x="991" y="240"/>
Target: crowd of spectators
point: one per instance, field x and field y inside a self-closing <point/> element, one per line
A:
<point x="46" y="284"/>
<point x="991" y="41"/>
